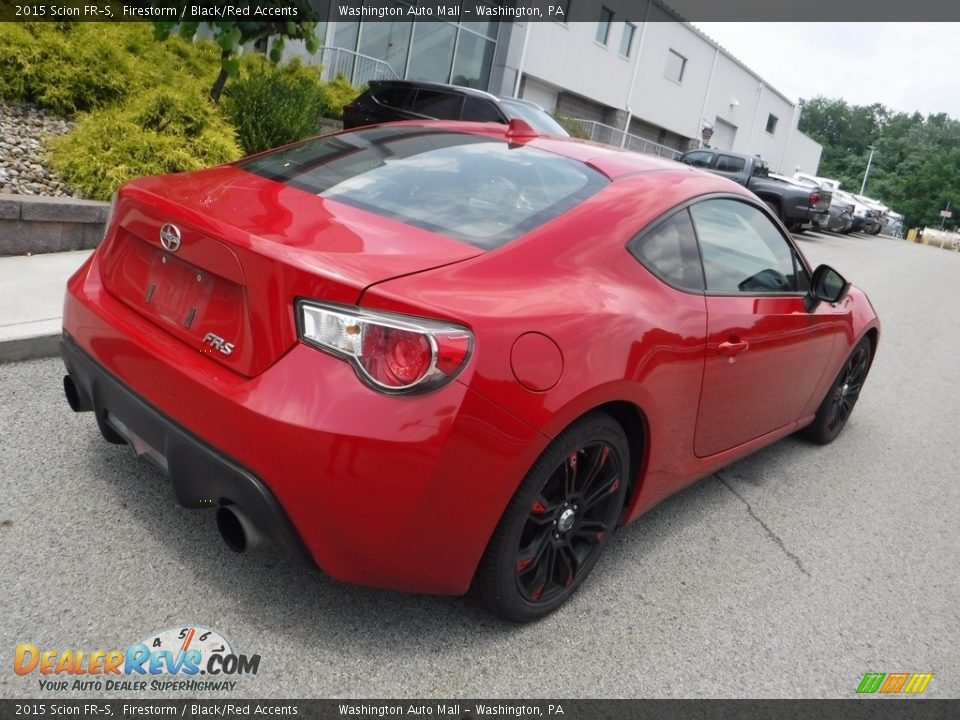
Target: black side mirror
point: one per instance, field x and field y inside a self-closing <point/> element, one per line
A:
<point x="827" y="285"/>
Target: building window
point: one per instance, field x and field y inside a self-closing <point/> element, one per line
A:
<point x="432" y="54"/>
<point x="626" y="40"/>
<point x="472" y="61"/>
<point x="603" y="27"/>
<point x="676" y="66"/>
<point x="772" y="123"/>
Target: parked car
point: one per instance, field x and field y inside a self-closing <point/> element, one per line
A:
<point x="796" y="206"/>
<point x="840" y="214"/>
<point x="428" y="356"/>
<point x="893" y="225"/>
<point x="877" y="211"/>
<point x="865" y="219"/>
<point x="392" y="100"/>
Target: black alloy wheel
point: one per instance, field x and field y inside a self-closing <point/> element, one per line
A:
<point x="835" y="410"/>
<point x="558" y="522"/>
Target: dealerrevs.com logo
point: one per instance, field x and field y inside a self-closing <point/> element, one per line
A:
<point x="190" y="658"/>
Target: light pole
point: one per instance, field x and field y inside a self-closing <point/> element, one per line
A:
<point x="867" y="171"/>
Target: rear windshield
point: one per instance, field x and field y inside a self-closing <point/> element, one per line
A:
<point x="474" y="188"/>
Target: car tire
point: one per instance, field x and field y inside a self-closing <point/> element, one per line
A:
<point x="557" y="523"/>
<point x="774" y="209"/>
<point x="835" y="410"/>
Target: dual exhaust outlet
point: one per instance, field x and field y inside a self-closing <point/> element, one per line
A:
<point x="237" y="530"/>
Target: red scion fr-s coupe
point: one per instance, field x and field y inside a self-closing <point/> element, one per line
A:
<point x="432" y="356"/>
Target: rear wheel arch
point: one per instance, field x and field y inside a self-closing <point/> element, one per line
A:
<point x="634" y="424"/>
<point x="633" y="420"/>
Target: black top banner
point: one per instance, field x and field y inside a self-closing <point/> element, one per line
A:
<point x="481" y="10"/>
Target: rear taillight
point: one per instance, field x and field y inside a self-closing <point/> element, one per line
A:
<point x="814" y="198"/>
<point x="391" y="353"/>
<point x="347" y="109"/>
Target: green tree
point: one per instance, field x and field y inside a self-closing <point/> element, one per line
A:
<point x="916" y="162"/>
<point x="232" y="36"/>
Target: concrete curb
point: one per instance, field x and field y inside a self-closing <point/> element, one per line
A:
<point x="30" y="348"/>
<point x="32" y="224"/>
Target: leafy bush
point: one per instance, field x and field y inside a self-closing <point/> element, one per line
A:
<point x="71" y="67"/>
<point x="272" y="105"/>
<point x="338" y="93"/>
<point x="159" y="131"/>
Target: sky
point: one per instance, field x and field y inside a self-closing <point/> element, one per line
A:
<point x="905" y="66"/>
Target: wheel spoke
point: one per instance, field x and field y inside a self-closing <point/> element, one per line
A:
<point x="532" y="554"/>
<point x="542" y="511"/>
<point x="593" y="472"/>
<point x="588" y="529"/>
<point x="569" y="560"/>
<point x="609" y="486"/>
<point x="570" y="475"/>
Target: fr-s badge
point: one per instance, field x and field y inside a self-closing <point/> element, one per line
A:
<point x="218" y="343"/>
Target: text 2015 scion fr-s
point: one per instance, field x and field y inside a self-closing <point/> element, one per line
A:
<point x="430" y="356"/>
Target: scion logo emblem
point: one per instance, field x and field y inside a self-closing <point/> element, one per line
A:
<point x="170" y="237"/>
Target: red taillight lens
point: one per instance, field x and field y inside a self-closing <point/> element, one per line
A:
<point x="394" y="357"/>
<point x="814" y="198"/>
<point x="392" y="353"/>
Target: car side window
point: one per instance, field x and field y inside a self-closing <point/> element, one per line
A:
<point x="439" y="105"/>
<point x="669" y="251"/>
<point x="479" y="110"/>
<point x="743" y="251"/>
<point x="393" y="97"/>
<point x="728" y="163"/>
<point x="698" y="158"/>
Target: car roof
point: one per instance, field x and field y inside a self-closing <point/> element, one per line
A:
<point x="376" y="84"/>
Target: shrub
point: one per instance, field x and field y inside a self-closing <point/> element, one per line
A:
<point x="338" y="93"/>
<point x="71" y="67"/>
<point x="160" y="131"/>
<point x="272" y="105"/>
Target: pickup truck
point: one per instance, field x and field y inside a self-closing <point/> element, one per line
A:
<point x="794" y="204"/>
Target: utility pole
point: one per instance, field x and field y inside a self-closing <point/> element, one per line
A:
<point x="867" y="171"/>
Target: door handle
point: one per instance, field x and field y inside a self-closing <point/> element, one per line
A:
<point x="732" y="348"/>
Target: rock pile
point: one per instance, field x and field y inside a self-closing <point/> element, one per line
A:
<point x="23" y="168"/>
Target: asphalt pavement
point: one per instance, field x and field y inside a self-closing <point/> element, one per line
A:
<point x="789" y="574"/>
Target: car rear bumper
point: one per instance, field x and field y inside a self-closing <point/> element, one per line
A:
<point x="401" y="492"/>
<point x="201" y="475"/>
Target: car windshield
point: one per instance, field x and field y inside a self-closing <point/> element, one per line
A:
<point x="475" y="188"/>
<point x="537" y="118"/>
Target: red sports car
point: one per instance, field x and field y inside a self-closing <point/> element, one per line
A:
<point x="430" y="355"/>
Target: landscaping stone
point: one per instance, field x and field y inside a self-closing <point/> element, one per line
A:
<point x="23" y="169"/>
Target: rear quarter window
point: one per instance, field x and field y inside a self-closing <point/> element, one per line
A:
<point x="440" y="105"/>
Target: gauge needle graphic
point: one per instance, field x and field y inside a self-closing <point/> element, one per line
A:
<point x="186" y="641"/>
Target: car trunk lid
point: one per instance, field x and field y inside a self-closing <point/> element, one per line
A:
<point x="248" y="247"/>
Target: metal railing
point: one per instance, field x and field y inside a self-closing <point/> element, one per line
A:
<point x="356" y="67"/>
<point x="609" y="135"/>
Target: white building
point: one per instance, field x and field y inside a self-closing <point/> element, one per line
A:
<point x="658" y="78"/>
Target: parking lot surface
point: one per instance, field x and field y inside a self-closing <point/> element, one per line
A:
<point x="791" y="573"/>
